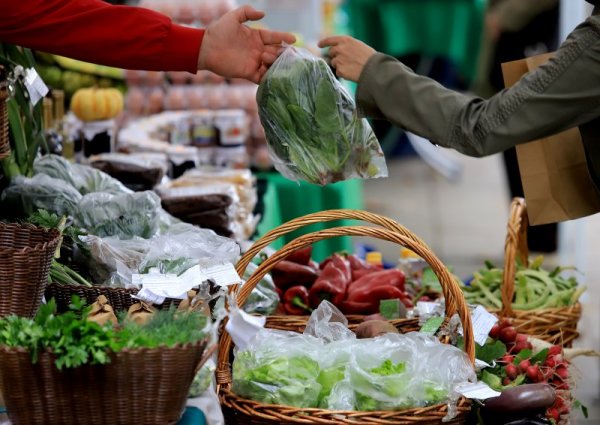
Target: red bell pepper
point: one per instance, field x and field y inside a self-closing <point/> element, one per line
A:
<point x="332" y="282"/>
<point x="296" y="300"/>
<point x="352" y="307"/>
<point x="391" y="277"/>
<point x="286" y="274"/>
<point x="300" y="256"/>
<point x="360" y="268"/>
<point x="370" y="295"/>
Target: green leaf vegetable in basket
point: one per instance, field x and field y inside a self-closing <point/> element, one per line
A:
<point x="312" y="128"/>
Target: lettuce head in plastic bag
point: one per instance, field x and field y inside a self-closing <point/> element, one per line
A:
<point x="310" y="121"/>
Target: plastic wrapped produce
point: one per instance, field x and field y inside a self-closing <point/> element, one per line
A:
<point x="125" y="215"/>
<point x="41" y="192"/>
<point x="311" y="125"/>
<point x="264" y="298"/>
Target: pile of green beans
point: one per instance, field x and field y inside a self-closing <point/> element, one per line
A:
<point x="535" y="288"/>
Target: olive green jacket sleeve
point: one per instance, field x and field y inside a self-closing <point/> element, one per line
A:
<point x="561" y="94"/>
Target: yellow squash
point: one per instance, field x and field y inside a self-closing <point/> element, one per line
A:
<point x="94" y="104"/>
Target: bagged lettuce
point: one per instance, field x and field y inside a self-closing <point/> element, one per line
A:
<point x="311" y="125"/>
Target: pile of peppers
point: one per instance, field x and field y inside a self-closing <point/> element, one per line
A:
<point x="348" y="282"/>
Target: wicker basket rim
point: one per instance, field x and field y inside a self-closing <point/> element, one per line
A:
<point x="576" y="306"/>
<point x="95" y="286"/>
<point x="139" y="350"/>
<point x="52" y="236"/>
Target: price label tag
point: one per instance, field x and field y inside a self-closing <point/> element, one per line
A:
<point x="35" y="86"/>
<point x="479" y="390"/>
<point x="223" y="274"/>
<point x="483" y="321"/>
<point x="149" y="297"/>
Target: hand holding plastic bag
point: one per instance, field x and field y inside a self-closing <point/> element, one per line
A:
<point x="312" y="129"/>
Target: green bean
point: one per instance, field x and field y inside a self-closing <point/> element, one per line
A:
<point x="577" y="294"/>
<point x="541" y="276"/>
<point x="495" y="302"/>
<point x="537" y="303"/>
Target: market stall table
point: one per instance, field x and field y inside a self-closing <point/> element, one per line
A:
<point x="449" y="29"/>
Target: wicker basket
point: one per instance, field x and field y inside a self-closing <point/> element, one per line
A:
<point x="26" y="253"/>
<point x="238" y="410"/>
<point x="4" y="141"/>
<point x="297" y="323"/>
<point x="119" y="298"/>
<point x="555" y="325"/>
<point x="145" y="386"/>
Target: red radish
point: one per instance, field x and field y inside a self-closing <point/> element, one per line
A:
<point x="504" y="323"/>
<point x="555" y="349"/>
<point x="550" y="362"/>
<point x="506" y="381"/>
<point x="561" y="386"/>
<point x="529" y="345"/>
<point x="495" y="331"/>
<point x="539" y="377"/>
<point x="553" y="414"/>
<point x="507" y="358"/>
<point x="562" y="372"/>
<point x="520" y="346"/>
<point x="508" y="334"/>
<point x="532" y="372"/>
<point x="524" y="365"/>
<point x="547" y="372"/>
<point x="511" y="371"/>
<point x="521" y="337"/>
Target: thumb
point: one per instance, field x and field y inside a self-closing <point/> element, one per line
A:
<point x="248" y="13"/>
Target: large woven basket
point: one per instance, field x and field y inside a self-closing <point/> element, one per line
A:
<point x="4" y="141"/>
<point x="142" y="386"/>
<point x="297" y="323"/>
<point x="120" y="299"/>
<point x="26" y="253"/>
<point x="555" y="325"/>
<point x="238" y="410"/>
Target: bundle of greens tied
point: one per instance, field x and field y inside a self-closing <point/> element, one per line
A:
<point x="311" y="125"/>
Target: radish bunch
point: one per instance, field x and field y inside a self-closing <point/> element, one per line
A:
<point x="520" y="366"/>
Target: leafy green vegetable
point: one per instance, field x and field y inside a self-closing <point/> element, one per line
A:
<point x="388" y="368"/>
<point x="75" y="341"/>
<point x="327" y="379"/>
<point x="490" y="351"/>
<point x="311" y="124"/>
<point x="290" y="381"/>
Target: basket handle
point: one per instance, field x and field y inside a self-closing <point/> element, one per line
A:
<point x="320" y="217"/>
<point x="455" y="296"/>
<point x="325" y="216"/>
<point x="515" y="244"/>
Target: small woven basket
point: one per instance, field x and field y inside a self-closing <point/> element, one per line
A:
<point x="4" y="141"/>
<point x="145" y="386"/>
<point x="297" y="323"/>
<point x="555" y="325"/>
<point x="26" y="253"/>
<point x="238" y="410"/>
<point x="120" y="299"/>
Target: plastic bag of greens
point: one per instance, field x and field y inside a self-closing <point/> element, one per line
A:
<point x="125" y="215"/>
<point x="82" y="177"/>
<point x="40" y="192"/>
<point x="312" y="128"/>
<point x="394" y="372"/>
<point x="264" y="298"/>
<point x="279" y="367"/>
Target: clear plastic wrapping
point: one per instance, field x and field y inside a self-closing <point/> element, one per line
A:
<point x="125" y="215"/>
<point x="389" y="372"/>
<point x="264" y="298"/>
<point x="311" y="125"/>
<point x="41" y="192"/>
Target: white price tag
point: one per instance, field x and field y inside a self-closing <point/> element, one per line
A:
<point x="243" y="327"/>
<point x="479" y="390"/>
<point x="149" y="297"/>
<point x="480" y="364"/>
<point x="163" y="286"/>
<point x="35" y="86"/>
<point x="223" y="274"/>
<point x="483" y="321"/>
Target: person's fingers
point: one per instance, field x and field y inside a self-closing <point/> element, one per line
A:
<point x="334" y="51"/>
<point x="331" y="41"/>
<point x="276" y="37"/>
<point x="335" y="62"/>
<point x="248" y="13"/>
<point x="273" y="50"/>
<point x="268" y="58"/>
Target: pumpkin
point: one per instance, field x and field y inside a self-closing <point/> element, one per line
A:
<point x="94" y="104"/>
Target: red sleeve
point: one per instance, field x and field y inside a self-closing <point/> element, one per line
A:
<point x="97" y="32"/>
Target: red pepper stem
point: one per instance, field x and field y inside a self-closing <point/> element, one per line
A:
<point x="297" y="301"/>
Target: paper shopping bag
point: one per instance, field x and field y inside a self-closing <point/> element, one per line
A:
<point x="554" y="171"/>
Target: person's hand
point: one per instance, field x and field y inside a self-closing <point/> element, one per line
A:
<point x="348" y="55"/>
<point x="234" y="50"/>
